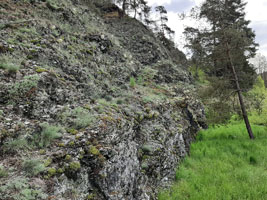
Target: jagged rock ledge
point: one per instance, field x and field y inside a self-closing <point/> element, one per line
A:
<point x="120" y="105"/>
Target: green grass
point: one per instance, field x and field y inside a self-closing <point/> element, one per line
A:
<point x="3" y="172"/>
<point x="9" y="63"/>
<point x="33" y="167"/>
<point x="132" y="82"/>
<point x="224" y="164"/>
<point x="16" y="145"/>
<point x="48" y="134"/>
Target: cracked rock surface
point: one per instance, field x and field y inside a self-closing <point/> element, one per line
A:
<point x="91" y="107"/>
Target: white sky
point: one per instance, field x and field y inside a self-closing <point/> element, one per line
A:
<point x="256" y="12"/>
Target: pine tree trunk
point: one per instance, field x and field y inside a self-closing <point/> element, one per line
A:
<point x="242" y="105"/>
<point x="124" y="7"/>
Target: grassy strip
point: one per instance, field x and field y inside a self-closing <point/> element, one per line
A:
<point x="224" y="164"/>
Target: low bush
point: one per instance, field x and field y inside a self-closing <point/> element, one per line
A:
<point x="33" y="167"/>
<point x="82" y="118"/>
<point x="15" y="145"/>
<point x="20" y="189"/>
<point x="47" y="135"/>
<point x="7" y="63"/>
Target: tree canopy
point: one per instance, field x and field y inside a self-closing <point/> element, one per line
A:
<point x="223" y="48"/>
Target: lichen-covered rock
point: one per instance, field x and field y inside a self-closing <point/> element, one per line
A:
<point x="123" y="102"/>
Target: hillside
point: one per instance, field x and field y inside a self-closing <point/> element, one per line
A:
<point x="91" y="106"/>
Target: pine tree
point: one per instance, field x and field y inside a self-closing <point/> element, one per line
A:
<point x="163" y="18"/>
<point x="146" y="14"/>
<point x="125" y="5"/>
<point x="226" y="44"/>
<point x="165" y="31"/>
<point x="228" y="26"/>
<point x="139" y="7"/>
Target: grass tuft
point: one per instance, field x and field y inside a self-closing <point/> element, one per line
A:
<point x="47" y="135"/>
<point x="33" y="167"/>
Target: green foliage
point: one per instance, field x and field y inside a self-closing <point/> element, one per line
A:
<point x="3" y="172"/>
<point x="259" y="83"/>
<point x="8" y="63"/>
<point x="47" y="135"/>
<point x="119" y="102"/>
<point x="30" y="31"/>
<point x="152" y="95"/>
<point x="75" y="166"/>
<point x="146" y="148"/>
<point x="15" y="145"/>
<point x="90" y="196"/>
<point x="217" y="99"/>
<point x="105" y="103"/>
<point x="218" y="112"/>
<point x="73" y="131"/>
<point x="52" y="5"/>
<point x="198" y="74"/>
<point x="226" y="37"/>
<point x="33" y="167"/>
<point x="94" y="151"/>
<point x="221" y="103"/>
<point x="10" y="67"/>
<point x="40" y="70"/>
<point x="47" y="162"/>
<point x="257" y="95"/>
<point x="20" y="189"/>
<point x="146" y="75"/>
<point x="19" y="89"/>
<point x="223" y="164"/>
<point x="165" y="31"/>
<point x="132" y="82"/>
<point x="51" y="171"/>
<point x="82" y="118"/>
<point x="258" y="119"/>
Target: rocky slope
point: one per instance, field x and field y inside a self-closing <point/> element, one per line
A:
<point x="91" y="106"/>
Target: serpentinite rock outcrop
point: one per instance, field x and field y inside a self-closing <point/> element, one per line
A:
<point x="100" y="103"/>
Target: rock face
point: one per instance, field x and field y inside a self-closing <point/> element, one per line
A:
<point x="100" y="102"/>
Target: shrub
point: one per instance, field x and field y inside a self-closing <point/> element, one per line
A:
<point x="20" y="189"/>
<point x="148" y="74"/>
<point x="77" y="118"/>
<point x="198" y="74"/>
<point x="10" y="67"/>
<point x="82" y="118"/>
<point x="52" y="5"/>
<point x="7" y="63"/>
<point x="47" y="135"/>
<point x="257" y="95"/>
<point x="119" y="101"/>
<point x="19" y="89"/>
<point x="33" y="167"/>
<point x="16" y="145"/>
